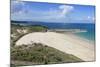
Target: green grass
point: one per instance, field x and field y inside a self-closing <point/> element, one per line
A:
<point x="34" y="28"/>
<point x="37" y="28"/>
<point x="39" y="54"/>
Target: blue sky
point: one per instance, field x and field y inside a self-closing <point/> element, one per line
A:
<point x="47" y="12"/>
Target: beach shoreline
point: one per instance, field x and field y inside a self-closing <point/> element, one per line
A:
<point x="68" y="43"/>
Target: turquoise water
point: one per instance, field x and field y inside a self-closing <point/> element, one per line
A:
<point x="87" y="35"/>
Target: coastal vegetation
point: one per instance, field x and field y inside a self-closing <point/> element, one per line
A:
<point x="40" y="54"/>
<point x="17" y="31"/>
<point x="35" y="53"/>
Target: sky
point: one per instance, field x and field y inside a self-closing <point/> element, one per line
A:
<point x="52" y="12"/>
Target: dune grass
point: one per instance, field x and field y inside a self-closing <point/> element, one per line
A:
<point x="41" y="54"/>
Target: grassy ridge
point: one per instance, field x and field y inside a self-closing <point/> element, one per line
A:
<point x="41" y="54"/>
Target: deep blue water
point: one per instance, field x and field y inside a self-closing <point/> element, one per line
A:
<point x="89" y="27"/>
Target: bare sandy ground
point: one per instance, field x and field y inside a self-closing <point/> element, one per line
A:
<point x="68" y="43"/>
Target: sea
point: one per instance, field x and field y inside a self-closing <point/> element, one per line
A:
<point x="89" y="27"/>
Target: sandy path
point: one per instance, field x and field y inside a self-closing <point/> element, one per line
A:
<point x="68" y="43"/>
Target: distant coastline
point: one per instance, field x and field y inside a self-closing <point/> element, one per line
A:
<point x="85" y="30"/>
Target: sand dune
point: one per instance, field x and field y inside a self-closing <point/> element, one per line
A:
<point x="68" y="43"/>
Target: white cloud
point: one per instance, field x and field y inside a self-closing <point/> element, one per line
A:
<point x="59" y="13"/>
<point x="88" y="17"/>
<point x="91" y="18"/>
<point x="66" y="9"/>
<point x="17" y="6"/>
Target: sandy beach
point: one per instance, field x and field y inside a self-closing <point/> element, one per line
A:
<point x="68" y="43"/>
